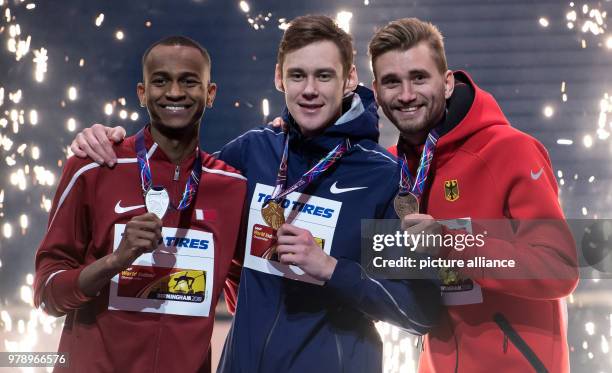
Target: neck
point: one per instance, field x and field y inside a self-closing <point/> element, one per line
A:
<point x="413" y="139"/>
<point x="418" y="138"/>
<point x="176" y="144"/>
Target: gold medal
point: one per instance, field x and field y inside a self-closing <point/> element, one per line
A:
<point x="405" y="205"/>
<point x="273" y="214"/>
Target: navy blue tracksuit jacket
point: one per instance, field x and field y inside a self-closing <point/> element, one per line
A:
<point x="284" y="325"/>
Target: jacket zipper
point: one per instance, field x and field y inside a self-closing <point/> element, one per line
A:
<point x="177" y="172"/>
<point x="339" y="348"/>
<point x="518" y="342"/>
<point x="269" y="335"/>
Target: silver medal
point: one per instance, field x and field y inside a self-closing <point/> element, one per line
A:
<point x="157" y="201"/>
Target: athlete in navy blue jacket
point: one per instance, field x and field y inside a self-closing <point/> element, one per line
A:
<point x="304" y="302"/>
<point x="303" y="317"/>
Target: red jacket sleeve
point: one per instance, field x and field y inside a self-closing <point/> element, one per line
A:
<point x="61" y="255"/>
<point x="541" y="243"/>
<point x="232" y="281"/>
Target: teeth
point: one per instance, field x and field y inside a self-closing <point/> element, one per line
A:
<point x="409" y="109"/>
<point x="175" y="108"/>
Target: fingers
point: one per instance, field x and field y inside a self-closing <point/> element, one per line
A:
<point x="290" y="230"/>
<point x="88" y="143"/>
<point x="115" y="134"/>
<point x="101" y="143"/>
<point x="149" y="216"/>
<point x="416" y="222"/>
<point x="147" y="222"/>
<point x="287" y="258"/>
<point x="277" y="122"/>
<point x="288" y="240"/>
<point x="81" y="148"/>
<point x="75" y="147"/>
<point x="289" y="254"/>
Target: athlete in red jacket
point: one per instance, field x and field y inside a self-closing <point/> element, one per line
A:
<point x="139" y="289"/>
<point x="481" y="169"/>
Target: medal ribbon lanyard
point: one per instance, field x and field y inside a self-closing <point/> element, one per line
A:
<point x="416" y="186"/>
<point x="146" y="180"/>
<point x="324" y="163"/>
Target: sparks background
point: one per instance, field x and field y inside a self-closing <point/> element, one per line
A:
<point x="67" y="64"/>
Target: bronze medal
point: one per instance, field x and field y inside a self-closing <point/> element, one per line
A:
<point x="406" y="204"/>
<point x="273" y="215"/>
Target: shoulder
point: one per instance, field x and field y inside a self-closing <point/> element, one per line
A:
<point x="260" y="133"/>
<point x="508" y="143"/>
<point x="75" y="167"/>
<point x="212" y="165"/>
<point x="374" y="153"/>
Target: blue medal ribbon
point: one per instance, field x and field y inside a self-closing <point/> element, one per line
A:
<point x="146" y="180"/>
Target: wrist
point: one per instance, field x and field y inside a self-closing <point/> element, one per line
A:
<point x="330" y="267"/>
<point x="114" y="263"/>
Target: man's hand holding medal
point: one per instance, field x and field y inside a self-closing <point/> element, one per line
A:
<point x="297" y="246"/>
<point x="142" y="235"/>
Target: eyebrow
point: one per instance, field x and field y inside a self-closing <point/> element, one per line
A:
<point x="182" y="75"/>
<point x="411" y="73"/>
<point x="317" y="71"/>
<point x="389" y="76"/>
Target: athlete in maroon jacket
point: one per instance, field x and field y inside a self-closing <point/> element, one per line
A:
<point x="139" y="289"/>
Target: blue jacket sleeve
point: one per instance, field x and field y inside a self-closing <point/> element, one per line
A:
<point x="412" y="304"/>
<point x="231" y="153"/>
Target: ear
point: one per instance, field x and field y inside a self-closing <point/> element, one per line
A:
<point x="375" y="90"/>
<point x="278" y="78"/>
<point x="449" y="84"/>
<point x="351" y="81"/>
<point x="212" y="92"/>
<point x="140" y="91"/>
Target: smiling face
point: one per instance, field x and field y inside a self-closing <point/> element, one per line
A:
<point x="411" y="90"/>
<point x="176" y="87"/>
<point x="314" y="83"/>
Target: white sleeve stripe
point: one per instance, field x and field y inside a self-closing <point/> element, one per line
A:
<point x="387" y="292"/>
<point x="377" y="152"/>
<point x="76" y="176"/>
<point x="51" y="276"/>
<point x="152" y="150"/>
<point x="69" y="187"/>
<point x="221" y="172"/>
<point x="127" y="160"/>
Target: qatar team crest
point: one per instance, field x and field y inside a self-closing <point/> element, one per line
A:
<point x="451" y="190"/>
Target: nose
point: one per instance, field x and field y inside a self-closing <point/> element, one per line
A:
<point x="175" y="92"/>
<point x="407" y="94"/>
<point x="310" y="89"/>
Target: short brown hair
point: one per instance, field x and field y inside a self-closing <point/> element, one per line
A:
<point x="309" y="29"/>
<point x="406" y="33"/>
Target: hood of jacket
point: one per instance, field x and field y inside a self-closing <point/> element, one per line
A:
<point x="359" y="121"/>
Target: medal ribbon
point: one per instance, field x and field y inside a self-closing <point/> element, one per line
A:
<point x="407" y="183"/>
<point x="191" y="187"/>
<point x="324" y="163"/>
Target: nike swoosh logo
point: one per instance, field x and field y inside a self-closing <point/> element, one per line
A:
<point x="536" y="175"/>
<point x="121" y="210"/>
<point x="335" y="190"/>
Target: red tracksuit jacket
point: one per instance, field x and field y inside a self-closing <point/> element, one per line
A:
<point x="88" y="204"/>
<point x="485" y="169"/>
